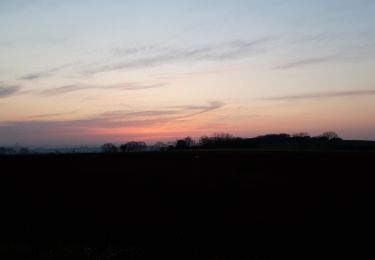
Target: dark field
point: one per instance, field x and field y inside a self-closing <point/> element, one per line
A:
<point x="187" y="205"/>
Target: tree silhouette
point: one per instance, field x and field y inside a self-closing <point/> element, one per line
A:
<point x="159" y="146"/>
<point x="222" y="137"/>
<point x="189" y="141"/>
<point x="185" y="143"/>
<point x="109" y="148"/>
<point x="133" y="147"/>
<point x="181" y="144"/>
<point x="218" y="140"/>
<point x="204" y="141"/>
<point x="330" y="135"/>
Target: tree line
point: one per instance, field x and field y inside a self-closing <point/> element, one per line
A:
<point x="302" y="140"/>
<point x="226" y="140"/>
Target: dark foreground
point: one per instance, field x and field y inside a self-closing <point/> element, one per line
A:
<point x="188" y="205"/>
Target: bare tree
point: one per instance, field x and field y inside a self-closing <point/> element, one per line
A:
<point x="330" y="135"/>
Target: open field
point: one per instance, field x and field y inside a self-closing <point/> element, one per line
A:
<point x="186" y="205"/>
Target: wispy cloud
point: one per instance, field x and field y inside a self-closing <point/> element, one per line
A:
<point x="78" y="87"/>
<point x="323" y="95"/>
<point x="124" y="118"/>
<point x="154" y="55"/>
<point x="200" y="109"/>
<point x="305" y="62"/>
<point x="50" y="115"/>
<point x="157" y="56"/>
<point x="45" y="73"/>
<point x="6" y="91"/>
<point x="45" y="128"/>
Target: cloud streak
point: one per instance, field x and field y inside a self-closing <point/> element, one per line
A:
<point x="123" y="118"/>
<point x="157" y="56"/>
<point x="202" y="109"/>
<point x="126" y="120"/>
<point x="79" y="87"/>
<point x="44" y="73"/>
<point x="41" y="116"/>
<point x="153" y="55"/>
<point x="324" y="95"/>
<point x="6" y="91"/>
<point x="305" y="62"/>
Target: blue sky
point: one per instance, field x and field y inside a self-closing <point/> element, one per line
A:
<point x="93" y="71"/>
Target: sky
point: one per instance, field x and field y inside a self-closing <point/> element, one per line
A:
<point x="85" y="72"/>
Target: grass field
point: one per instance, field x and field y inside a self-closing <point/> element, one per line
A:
<point x="186" y="205"/>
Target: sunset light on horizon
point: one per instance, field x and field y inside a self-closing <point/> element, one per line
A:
<point x="88" y="72"/>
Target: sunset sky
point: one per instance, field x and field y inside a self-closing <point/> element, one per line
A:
<point x="84" y="72"/>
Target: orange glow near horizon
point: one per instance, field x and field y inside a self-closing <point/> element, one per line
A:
<point x="241" y="67"/>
